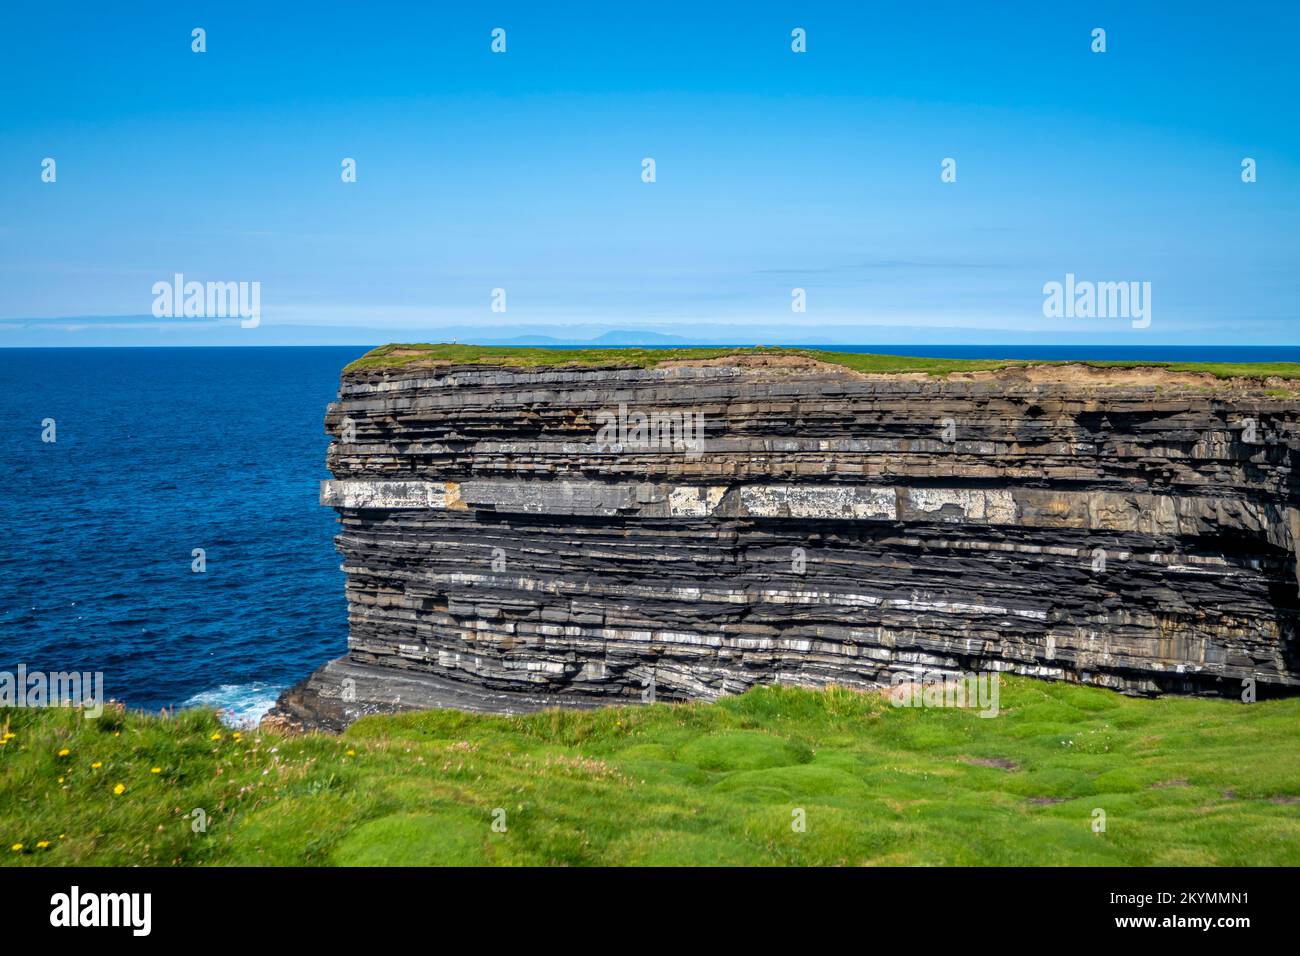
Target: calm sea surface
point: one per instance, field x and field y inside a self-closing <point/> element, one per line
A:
<point x="158" y="452"/>
<point x="161" y="451"/>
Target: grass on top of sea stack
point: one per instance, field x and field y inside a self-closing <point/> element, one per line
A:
<point x="397" y="355"/>
<point x="1180" y="781"/>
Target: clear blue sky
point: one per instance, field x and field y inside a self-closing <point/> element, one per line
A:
<point x="775" y="169"/>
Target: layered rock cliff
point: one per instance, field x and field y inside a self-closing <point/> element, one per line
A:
<point x="516" y="536"/>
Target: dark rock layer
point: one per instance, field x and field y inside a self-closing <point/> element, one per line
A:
<point x="517" y="531"/>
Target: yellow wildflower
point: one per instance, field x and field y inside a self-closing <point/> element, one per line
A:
<point x="119" y="789"/>
<point x="216" y="736"/>
<point x="17" y="848"/>
<point x="42" y="844"/>
<point x="156" y="770"/>
<point x="352" y="753"/>
<point x="64" y="752"/>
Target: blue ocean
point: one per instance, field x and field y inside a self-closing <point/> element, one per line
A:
<point x="159" y="451"/>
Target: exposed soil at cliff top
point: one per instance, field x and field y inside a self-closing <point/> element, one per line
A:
<point x="1108" y="376"/>
<point x="1073" y="373"/>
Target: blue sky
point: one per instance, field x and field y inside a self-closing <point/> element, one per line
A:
<point x="775" y="170"/>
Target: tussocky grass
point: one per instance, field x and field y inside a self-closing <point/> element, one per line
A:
<point x="397" y="355"/>
<point x="1181" y="782"/>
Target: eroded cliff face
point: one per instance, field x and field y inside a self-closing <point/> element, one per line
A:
<point x="530" y="535"/>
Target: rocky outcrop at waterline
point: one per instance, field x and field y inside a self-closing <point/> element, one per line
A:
<point x="517" y="536"/>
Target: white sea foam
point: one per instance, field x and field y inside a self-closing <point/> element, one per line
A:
<point x="238" y="705"/>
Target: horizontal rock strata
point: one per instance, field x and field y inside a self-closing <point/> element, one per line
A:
<point x="690" y="530"/>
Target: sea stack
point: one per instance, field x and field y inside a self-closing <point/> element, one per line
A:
<point x="520" y="535"/>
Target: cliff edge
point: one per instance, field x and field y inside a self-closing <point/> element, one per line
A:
<point x="522" y="531"/>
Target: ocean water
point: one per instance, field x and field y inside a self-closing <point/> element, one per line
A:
<point x="160" y="451"/>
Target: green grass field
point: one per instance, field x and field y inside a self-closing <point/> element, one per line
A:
<point x="1180" y="782"/>
<point x="396" y="355"/>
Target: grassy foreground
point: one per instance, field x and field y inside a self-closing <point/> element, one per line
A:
<point x="1180" y="782"/>
<point x="397" y="354"/>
